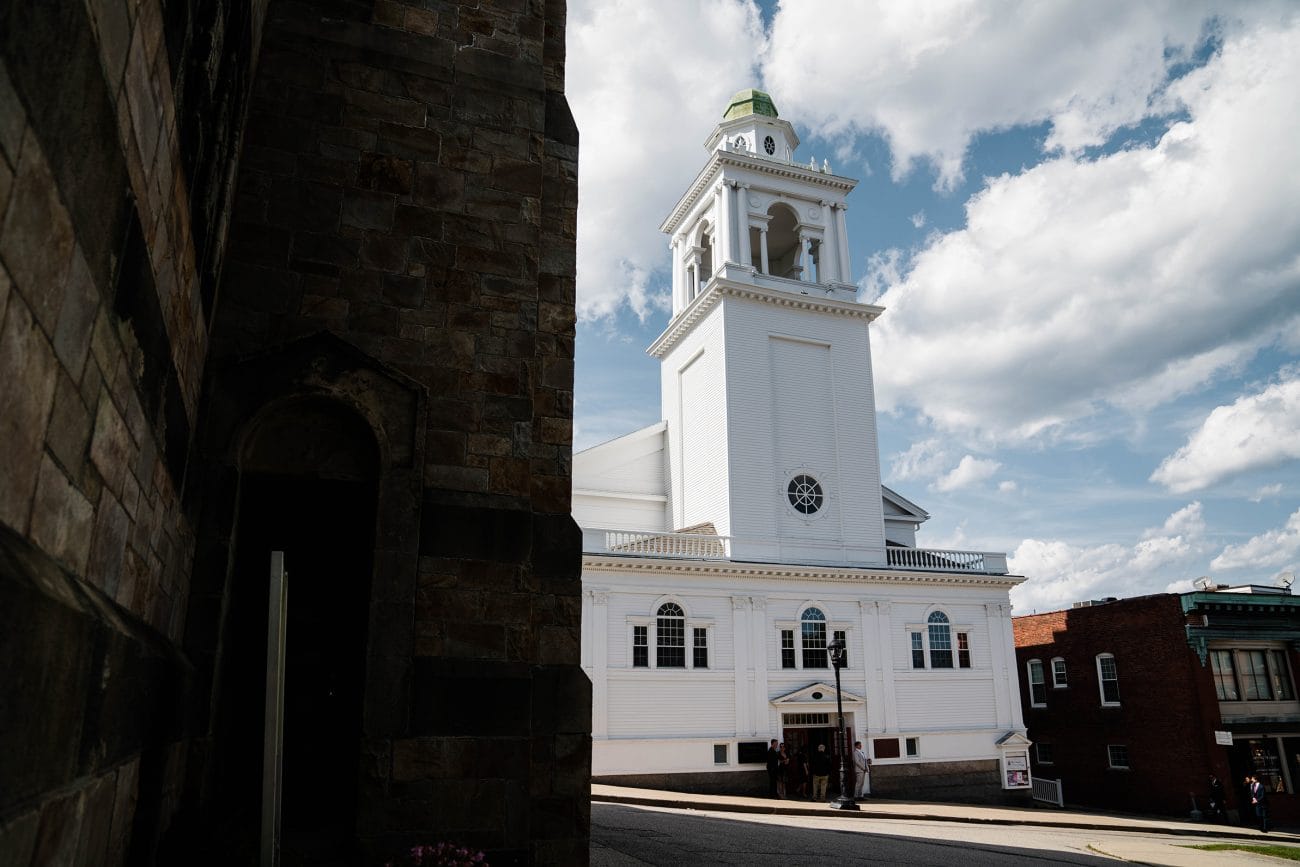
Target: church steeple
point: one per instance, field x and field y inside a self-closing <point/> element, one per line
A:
<point x="766" y="363"/>
<point x="755" y="214"/>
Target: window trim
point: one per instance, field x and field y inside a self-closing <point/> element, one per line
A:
<point x="1030" y="666"/>
<point x="795" y="626"/>
<point x="1101" y="681"/>
<point x="955" y="631"/>
<point x="1110" y="758"/>
<point x="1062" y="682"/>
<point x="1038" y="755"/>
<point x="651" y="623"/>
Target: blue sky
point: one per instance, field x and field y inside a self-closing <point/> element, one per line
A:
<point x="1080" y="218"/>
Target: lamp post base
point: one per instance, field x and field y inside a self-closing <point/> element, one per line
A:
<point x="844" y="802"/>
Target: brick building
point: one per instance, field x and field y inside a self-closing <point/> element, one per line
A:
<point x="1123" y="698"/>
<point x="292" y="276"/>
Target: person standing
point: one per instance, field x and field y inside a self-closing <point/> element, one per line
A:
<point x="821" y="772"/>
<point x="1218" y="809"/>
<point x="1259" y="798"/>
<point x="862" y="766"/>
<point x="783" y="774"/>
<point x="773" y="768"/>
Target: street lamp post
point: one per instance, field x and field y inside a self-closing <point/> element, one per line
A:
<point x="845" y="801"/>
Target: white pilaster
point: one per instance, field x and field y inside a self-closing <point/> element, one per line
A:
<point x="762" y="247"/>
<point x="679" y="295"/>
<point x="762" y="708"/>
<point x="722" y="226"/>
<point x="829" y="271"/>
<point x="740" y="633"/>
<point x="804" y="255"/>
<point x="884" y="613"/>
<point x="599" y="610"/>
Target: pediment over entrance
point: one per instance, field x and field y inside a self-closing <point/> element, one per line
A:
<point x="809" y="695"/>
<point x="1011" y="740"/>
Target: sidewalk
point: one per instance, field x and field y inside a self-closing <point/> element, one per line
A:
<point x="1137" y="850"/>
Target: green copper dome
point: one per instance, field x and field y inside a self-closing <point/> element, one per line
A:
<point x="750" y="101"/>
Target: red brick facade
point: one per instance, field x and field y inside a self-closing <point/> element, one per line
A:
<point x="1166" y="716"/>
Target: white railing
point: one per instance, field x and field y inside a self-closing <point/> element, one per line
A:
<point x="1048" y="791"/>
<point x="693" y="545"/>
<point x="941" y="560"/>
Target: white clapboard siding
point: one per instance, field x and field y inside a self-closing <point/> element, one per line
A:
<point x="938" y="700"/>
<point x="674" y="704"/>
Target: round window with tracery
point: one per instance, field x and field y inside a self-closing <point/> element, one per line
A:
<point x="805" y="494"/>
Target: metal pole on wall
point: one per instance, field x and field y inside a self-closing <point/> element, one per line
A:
<point x="845" y="801"/>
<point x="273" y="734"/>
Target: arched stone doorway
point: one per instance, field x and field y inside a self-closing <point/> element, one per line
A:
<point x="308" y="483"/>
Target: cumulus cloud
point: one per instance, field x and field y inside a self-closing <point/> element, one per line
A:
<point x="1060" y="573"/>
<point x="1007" y="486"/>
<point x="1125" y="279"/>
<point x="925" y="459"/>
<point x="970" y="470"/>
<point x="930" y="76"/>
<point x="1255" y="432"/>
<point x="645" y="91"/>
<point x="1267" y="492"/>
<point x="1273" y="549"/>
<point x="918" y="220"/>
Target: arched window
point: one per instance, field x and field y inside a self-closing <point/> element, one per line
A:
<point x="670" y="636"/>
<point x="940" y="640"/>
<point x="813" y="629"/>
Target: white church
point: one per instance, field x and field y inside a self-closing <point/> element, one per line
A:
<point x="728" y="544"/>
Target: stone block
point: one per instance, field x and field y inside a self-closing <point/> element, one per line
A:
<point x="18" y="838"/>
<point x="13" y="119"/>
<point x="124" y="802"/>
<point x="62" y="518"/>
<point x="108" y="545"/>
<point x="60" y="828"/>
<point x="36" y="238"/>
<point x="76" y="316"/>
<point x="26" y="398"/>
<point x="97" y="821"/>
<point x="111" y="448"/>
<point x="386" y="173"/>
<point x="366" y="209"/>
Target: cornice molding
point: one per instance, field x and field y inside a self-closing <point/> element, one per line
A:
<point x="720" y="287"/>
<point x="708" y="176"/>
<point x="825" y="574"/>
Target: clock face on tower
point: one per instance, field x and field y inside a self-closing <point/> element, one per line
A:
<point x="769" y="145"/>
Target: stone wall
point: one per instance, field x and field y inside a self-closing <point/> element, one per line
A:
<point x="110" y="219"/>
<point x="388" y="239"/>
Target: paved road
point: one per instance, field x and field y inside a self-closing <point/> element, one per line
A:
<point x="630" y="836"/>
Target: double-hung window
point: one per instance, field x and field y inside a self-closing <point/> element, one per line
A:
<point x="804" y="642"/>
<point x="1108" y="679"/>
<point x="1037" y="685"/>
<point x="661" y="640"/>
<point x="938" y="644"/>
<point x="1059" y="678"/>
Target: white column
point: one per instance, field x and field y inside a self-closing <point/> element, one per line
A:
<point x="762" y="248"/>
<point x="722" y="227"/>
<point x="740" y="645"/>
<point x="829" y="272"/>
<point x="742" y="217"/>
<point x="842" y="242"/>
<point x="803" y="256"/>
<point x="1002" y="661"/>
<point x="869" y="618"/>
<point x="762" y="710"/>
<point x="679" y="294"/>
<point x="599" y="663"/>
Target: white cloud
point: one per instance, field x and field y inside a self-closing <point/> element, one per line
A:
<point x="1273" y="549"/>
<point x="925" y="459"/>
<point x="970" y="470"/>
<point x="932" y="75"/>
<point x="918" y="220"/>
<point x="1255" y="432"/>
<point x="1060" y="573"/>
<point x="647" y="81"/>
<point x="1007" y="487"/>
<point x="1267" y="492"/>
<point x="1127" y="279"/>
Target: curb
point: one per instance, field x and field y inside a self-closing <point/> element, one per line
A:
<point x="1225" y="833"/>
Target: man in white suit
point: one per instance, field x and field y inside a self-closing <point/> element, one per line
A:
<point x="862" y="766"/>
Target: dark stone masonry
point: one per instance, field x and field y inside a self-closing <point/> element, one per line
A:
<point x="288" y="276"/>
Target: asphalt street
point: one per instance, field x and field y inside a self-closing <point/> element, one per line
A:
<point x="624" y="835"/>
